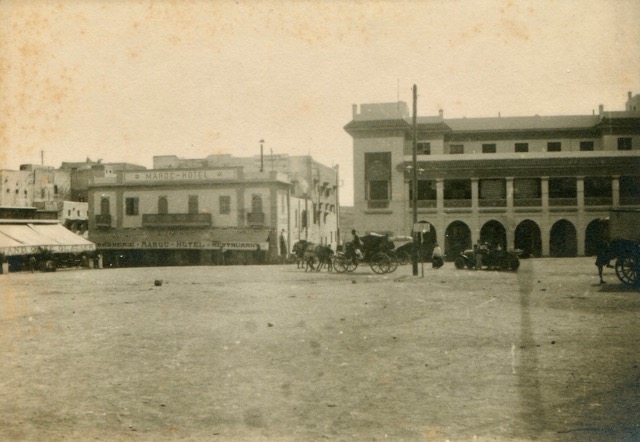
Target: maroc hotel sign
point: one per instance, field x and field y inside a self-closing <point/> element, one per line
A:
<point x="155" y="176"/>
<point x="193" y="245"/>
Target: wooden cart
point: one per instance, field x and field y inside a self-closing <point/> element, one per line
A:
<point x="624" y="245"/>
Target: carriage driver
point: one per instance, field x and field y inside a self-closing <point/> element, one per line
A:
<point x="356" y="244"/>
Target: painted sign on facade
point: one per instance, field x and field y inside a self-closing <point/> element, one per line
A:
<point x="33" y="250"/>
<point x="155" y="176"/>
<point x="182" y="245"/>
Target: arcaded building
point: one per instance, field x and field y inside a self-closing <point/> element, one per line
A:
<point x="542" y="184"/>
<point x="215" y="210"/>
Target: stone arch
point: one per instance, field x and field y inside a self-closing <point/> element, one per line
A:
<point x="429" y="238"/>
<point x="563" y="239"/>
<point x="494" y="233"/>
<point x="457" y="239"/>
<point x="596" y="232"/>
<point x="528" y="238"/>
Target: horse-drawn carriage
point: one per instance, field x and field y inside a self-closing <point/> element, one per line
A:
<point x="624" y="247"/>
<point x="377" y="251"/>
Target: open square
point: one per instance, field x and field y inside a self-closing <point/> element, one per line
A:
<point x="276" y="353"/>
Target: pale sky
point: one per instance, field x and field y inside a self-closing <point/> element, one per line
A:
<point x="125" y="80"/>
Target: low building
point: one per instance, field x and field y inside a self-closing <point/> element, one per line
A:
<point x="216" y="210"/>
<point x="31" y="239"/>
<point x="540" y="184"/>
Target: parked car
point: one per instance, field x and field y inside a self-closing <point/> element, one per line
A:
<point x="488" y="257"/>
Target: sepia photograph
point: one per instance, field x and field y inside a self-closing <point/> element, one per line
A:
<point x="349" y="220"/>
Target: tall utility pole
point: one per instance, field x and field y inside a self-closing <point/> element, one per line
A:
<point x="414" y="181"/>
<point x="261" y="155"/>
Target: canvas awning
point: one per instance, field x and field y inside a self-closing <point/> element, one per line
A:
<point x="19" y="237"/>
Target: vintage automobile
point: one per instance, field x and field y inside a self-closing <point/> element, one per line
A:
<point x="488" y="257"/>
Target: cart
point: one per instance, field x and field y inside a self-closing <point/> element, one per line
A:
<point x="377" y="251"/>
<point x="624" y="245"/>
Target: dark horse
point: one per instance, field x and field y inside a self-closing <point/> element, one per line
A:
<point x="317" y="256"/>
<point x="298" y="250"/>
<point x="312" y="256"/>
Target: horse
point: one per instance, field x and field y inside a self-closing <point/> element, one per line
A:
<point x="298" y="250"/>
<point x="323" y="255"/>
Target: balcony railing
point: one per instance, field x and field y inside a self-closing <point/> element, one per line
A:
<point x="377" y="204"/>
<point x="498" y="202"/>
<point x="629" y="201"/>
<point x="103" y="221"/>
<point x="527" y="202"/>
<point x="255" y="218"/>
<point x="177" y="220"/>
<point x="425" y="204"/>
<point x="563" y="201"/>
<point x="457" y="203"/>
<point x="598" y="201"/>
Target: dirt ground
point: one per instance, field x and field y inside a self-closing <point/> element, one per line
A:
<point x="274" y="353"/>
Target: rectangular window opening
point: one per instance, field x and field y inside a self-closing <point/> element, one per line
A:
<point x="624" y="143"/>
<point x="554" y="146"/>
<point x="488" y="148"/>
<point x="131" y="206"/>
<point x="586" y="146"/>
<point x="456" y="149"/>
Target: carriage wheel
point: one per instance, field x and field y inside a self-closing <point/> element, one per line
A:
<point x="403" y="258"/>
<point x="352" y="264"/>
<point x="340" y="264"/>
<point x="627" y="270"/>
<point x="459" y="263"/>
<point x="394" y="261"/>
<point x="380" y="263"/>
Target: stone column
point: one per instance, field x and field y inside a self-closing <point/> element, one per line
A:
<point x="580" y="215"/>
<point x="475" y="194"/>
<point x="615" y="190"/>
<point x="510" y="228"/>
<point x="545" y="228"/>
<point x="440" y="194"/>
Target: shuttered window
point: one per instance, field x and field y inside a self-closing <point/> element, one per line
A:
<point x="526" y="188"/>
<point x="493" y="189"/>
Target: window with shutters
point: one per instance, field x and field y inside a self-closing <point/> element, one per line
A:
<point x="563" y="187"/>
<point x="492" y="192"/>
<point x="225" y="204"/>
<point x="527" y="192"/>
<point x="131" y="206"/>
<point x="377" y="176"/>
<point x="105" y="206"/>
<point x="163" y="205"/>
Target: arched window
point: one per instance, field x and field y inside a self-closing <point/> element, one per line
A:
<point x="163" y="205"/>
<point x="256" y="203"/>
<point x="105" y="206"/>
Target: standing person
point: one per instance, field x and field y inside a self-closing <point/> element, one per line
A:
<point x="356" y="244"/>
<point x="602" y="258"/>
<point x="283" y="247"/>
<point x="436" y="257"/>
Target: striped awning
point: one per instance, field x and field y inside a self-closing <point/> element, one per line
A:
<point x="29" y="237"/>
